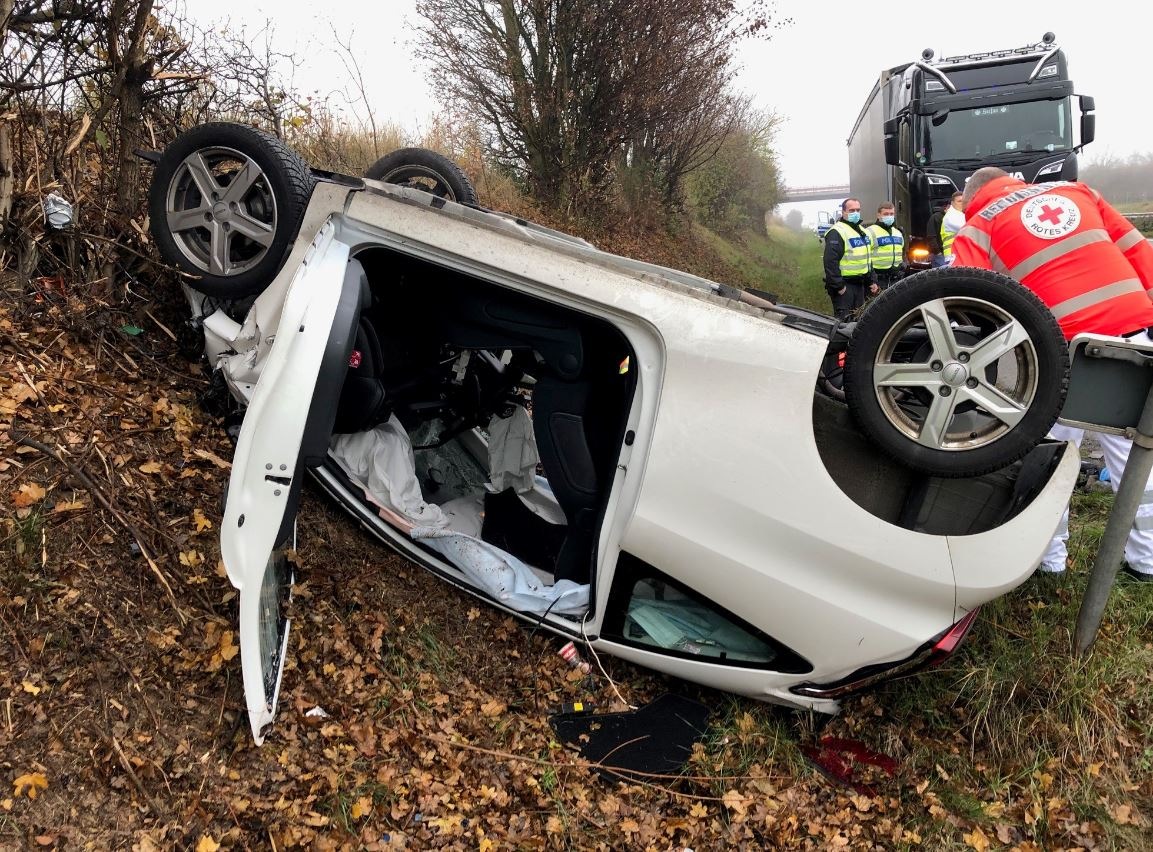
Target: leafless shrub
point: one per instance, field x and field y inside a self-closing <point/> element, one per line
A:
<point x="571" y="91"/>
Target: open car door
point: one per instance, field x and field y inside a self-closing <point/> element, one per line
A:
<point x="287" y="428"/>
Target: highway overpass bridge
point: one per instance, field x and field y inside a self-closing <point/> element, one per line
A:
<point x="814" y="193"/>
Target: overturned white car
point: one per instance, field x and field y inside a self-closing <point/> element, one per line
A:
<point x="665" y="468"/>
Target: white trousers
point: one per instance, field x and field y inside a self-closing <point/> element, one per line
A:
<point x="1139" y="547"/>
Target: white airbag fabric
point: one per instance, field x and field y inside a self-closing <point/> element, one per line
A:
<point x="512" y="453"/>
<point x="504" y="576"/>
<point x="381" y="461"/>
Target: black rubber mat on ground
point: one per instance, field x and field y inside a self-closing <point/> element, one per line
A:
<point x="657" y="739"/>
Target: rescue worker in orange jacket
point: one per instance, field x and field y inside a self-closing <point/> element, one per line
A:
<point x="1095" y="272"/>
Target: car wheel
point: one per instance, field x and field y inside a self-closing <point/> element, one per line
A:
<point x="225" y="205"/>
<point x="426" y="170"/>
<point x="956" y="371"/>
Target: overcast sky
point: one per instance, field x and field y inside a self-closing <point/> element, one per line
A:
<point x="815" y="73"/>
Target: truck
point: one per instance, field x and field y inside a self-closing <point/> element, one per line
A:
<point x="926" y="126"/>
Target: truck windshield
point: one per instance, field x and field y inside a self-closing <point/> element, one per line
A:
<point x="1006" y="129"/>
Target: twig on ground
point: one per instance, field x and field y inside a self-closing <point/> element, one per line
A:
<point x="100" y="498"/>
<point x="20" y="643"/>
<point x="163" y="327"/>
<point x="104" y="649"/>
<point x="153" y="805"/>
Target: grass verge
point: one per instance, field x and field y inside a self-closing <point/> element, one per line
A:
<point x="781" y="261"/>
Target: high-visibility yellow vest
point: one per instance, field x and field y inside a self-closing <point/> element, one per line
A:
<point x="946" y="239"/>
<point x="855" y="261"/>
<point x="888" y="246"/>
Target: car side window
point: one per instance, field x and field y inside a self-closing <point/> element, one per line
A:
<point x="650" y="610"/>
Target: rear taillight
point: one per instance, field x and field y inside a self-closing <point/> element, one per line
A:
<point x="953" y="637"/>
<point x="930" y="654"/>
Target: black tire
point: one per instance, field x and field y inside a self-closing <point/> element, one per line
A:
<point x="426" y="170"/>
<point x="893" y="361"/>
<point x="270" y="208"/>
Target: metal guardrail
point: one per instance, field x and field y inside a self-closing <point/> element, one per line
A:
<point x="1142" y="221"/>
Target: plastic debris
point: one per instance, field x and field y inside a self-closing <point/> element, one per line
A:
<point x="572" y="656"/>
<point x="315" y="717"/>
<point x="840" y="759"/>
<point x="57" y="211"/>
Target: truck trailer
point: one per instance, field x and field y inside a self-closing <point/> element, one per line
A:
<point x="928" y="125"/>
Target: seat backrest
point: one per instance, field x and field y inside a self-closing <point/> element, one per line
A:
<point x="579" y="427"/>
<point x="362" y="398"/>
<point x="559" y="409"/>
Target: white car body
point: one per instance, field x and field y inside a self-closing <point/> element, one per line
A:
<point x="722" y="487"/>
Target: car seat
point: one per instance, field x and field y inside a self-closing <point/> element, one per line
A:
<point x="579" y="425"/>
<point x="363" y="403"/>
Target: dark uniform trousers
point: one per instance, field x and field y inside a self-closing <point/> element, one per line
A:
<point x="887" y="277"/>
<point x="853" y="298"/>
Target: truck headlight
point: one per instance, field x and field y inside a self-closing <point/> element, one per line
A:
<point x="1051" y="169"/>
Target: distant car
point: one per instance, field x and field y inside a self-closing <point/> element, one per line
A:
<point x="824" y="223"/>
<point x="625" y="455"/>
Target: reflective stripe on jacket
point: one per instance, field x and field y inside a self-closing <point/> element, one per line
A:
<point x="855" y="260"/>
<point x="1067" y="245"/>
<point x="888" y="246"/>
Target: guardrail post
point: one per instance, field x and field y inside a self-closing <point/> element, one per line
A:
<point x="1112" y="549"/>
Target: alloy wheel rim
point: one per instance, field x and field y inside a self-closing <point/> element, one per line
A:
<point x="957" y="395"/>
<point x="221" y="211"/>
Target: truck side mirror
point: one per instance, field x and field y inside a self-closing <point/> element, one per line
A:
<point x="1088" y="128"/>
<point x="893" y="151"/>
<point x="892" y="126"/>
<point x="1088" y="120"/>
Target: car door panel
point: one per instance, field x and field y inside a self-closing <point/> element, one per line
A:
<point x="287" y="426"/>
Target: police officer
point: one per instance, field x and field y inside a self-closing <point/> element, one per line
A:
<point x="1095" y="272"/>
<point x="887" y="249"/>
<point x="848" y="275"/>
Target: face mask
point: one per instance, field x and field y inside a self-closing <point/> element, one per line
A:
<point x="888" y="221"/>
<point x="854" y="217"/>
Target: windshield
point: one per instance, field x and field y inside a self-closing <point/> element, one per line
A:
<point x="1003" y="132"/>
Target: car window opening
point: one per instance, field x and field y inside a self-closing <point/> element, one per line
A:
<point x="487" y="426"/>
<point x="662" y="616"/>
<point x="650" y="610"/>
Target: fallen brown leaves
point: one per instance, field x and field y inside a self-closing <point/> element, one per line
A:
<point x="409" y="716"/>
<point x="30" y="785"/>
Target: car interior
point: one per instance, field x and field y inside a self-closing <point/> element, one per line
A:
<point x="455" y="360"/>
